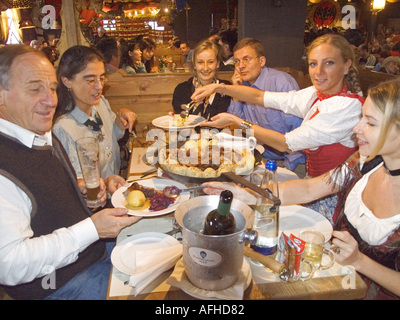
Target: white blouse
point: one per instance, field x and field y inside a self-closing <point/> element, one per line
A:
<point x="336" y="119"/>
<point x="373" y="230"/>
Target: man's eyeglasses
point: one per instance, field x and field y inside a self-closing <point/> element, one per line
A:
<point x="245" y="61"/>
<point x="92" y="82"/>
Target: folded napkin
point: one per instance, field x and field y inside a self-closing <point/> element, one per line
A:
<point x="150" y="263"/>
<point x="179" y="279"/>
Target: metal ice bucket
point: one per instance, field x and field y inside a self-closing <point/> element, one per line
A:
<point x="213" y="262"/>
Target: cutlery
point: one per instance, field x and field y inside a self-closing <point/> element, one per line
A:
<point x="184" y="114"/>
<point x="145" y="174"/>
<point x="174" y="192"/>
<point x="173" y="231"/>
<point x="186" y="108"/>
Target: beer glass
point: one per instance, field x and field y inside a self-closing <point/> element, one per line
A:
<point x="88" y="155"/>
<point x="314" y="249"/>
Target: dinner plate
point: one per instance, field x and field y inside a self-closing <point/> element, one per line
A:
<point x="165" y="122"/>
<point x="118" y="200"/>
<point x="123" y="254"/>
<point x="294" y="219"/>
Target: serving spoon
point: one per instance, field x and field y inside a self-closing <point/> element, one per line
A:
<point x="186" y="108"/>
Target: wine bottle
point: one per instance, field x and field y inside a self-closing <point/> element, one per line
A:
<point x="221" y="221"/>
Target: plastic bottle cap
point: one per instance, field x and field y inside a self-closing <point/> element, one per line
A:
<point x="271" y="165"/>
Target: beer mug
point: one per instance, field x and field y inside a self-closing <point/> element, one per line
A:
<point x="88" y="155"/>
<point x="314" y="249"/>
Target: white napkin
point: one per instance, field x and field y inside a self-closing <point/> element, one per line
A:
<point x="150" y="263"/>
<point x="180" y="280"/>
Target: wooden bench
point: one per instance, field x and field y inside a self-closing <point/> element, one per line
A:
<point x="148" y="95"/>
<point x="303" y="80"/>
<point x="369" y="78"/>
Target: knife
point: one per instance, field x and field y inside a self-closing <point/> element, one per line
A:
<point x="145" y="174"/>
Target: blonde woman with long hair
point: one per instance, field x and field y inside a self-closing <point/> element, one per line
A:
<point x="367" y="217"/>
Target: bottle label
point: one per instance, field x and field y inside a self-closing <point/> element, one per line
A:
<point x="266" y="251"/>
<point x="204" y="257"/>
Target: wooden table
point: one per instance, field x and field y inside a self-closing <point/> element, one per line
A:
<point x="344" y="286"/>
<point x="324" y="288"/>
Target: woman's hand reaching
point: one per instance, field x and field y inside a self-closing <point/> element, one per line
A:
<point x="203" y="92"/>
<point x="222" y="120"/>
<point x="242" y="194"/>
<point x="125" y="119"/>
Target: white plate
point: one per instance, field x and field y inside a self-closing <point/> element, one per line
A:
<point x="294" y="219"/>
<point x="165" y="122"/>
<point x="118" y="200"/>
<point x="122" y="256"/>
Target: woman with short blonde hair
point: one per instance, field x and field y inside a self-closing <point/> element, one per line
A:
<point x="206" y="58"/>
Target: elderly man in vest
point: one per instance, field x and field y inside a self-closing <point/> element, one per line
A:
<point x="46" y="230"/>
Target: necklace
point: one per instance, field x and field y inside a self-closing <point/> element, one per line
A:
<point x="392" y="172"/>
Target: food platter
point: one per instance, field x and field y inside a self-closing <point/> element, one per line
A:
<point x="157" y="153"/>
<point x="118" y="199"/>
<point x="222" y="177"/>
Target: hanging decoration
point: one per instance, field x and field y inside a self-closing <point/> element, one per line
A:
<point x="131" y="18"/>
<point x="167" y="12"/>
<point x="21" y="4"/>
<point x="325" y="14"/>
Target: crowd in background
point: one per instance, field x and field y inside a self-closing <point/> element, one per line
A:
<point x="380" y="53"/>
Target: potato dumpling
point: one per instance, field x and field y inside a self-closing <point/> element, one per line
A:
<point x="190" y="144"/>
<point x="202" y="143"/>
<point x="136" y="198"/>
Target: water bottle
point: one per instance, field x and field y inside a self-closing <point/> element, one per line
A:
<point x="266" y="215"/>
